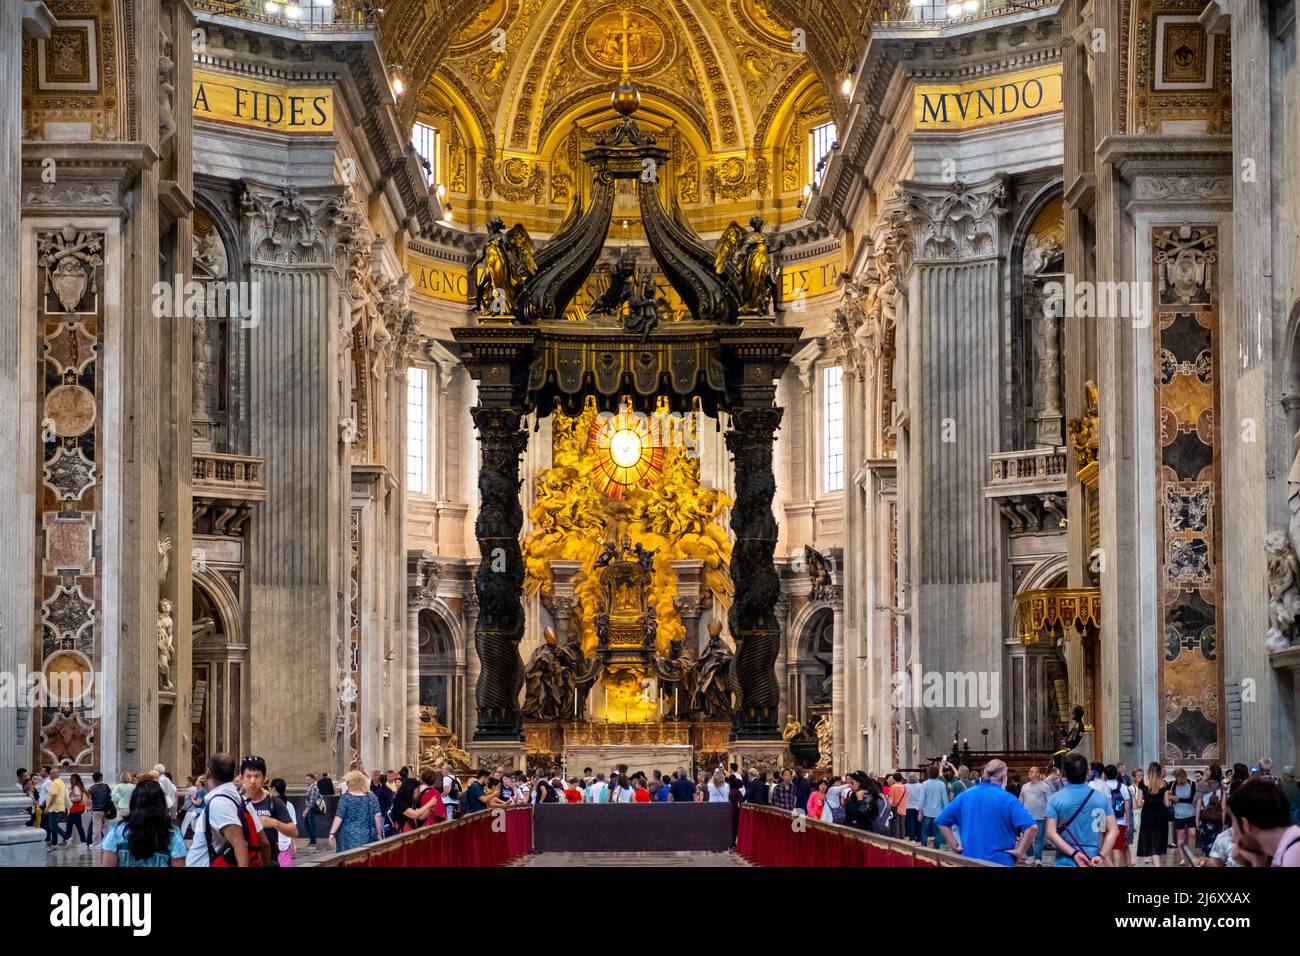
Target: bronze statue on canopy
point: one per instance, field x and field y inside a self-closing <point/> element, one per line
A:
<point x="744" y="259"/>
<point x="502" y="267"/>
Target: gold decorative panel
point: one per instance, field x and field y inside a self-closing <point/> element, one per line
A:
<point x="1174" y="71"/>
<point x="1188" y="491"/>
<point x="76" y="76"/>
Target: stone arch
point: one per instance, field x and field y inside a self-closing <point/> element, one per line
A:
<point x="1036" y="417"/>
<point x="220" y="595"/>
<point x="441" y="666"/>
<point x="1048" y="573"/>
<point x="450" y="620"/>
<point x="812" y="638"/>
<point x="217" y="672"/>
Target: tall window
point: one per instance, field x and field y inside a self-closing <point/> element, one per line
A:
<point x="417" y="430"/>
<point x="820" y="138"/>
<point x="833" y="428"/>
<point x="428" y="143"/>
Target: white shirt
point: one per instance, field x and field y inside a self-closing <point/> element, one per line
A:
<point x="596" y="792"/>
<point x="1107" y="789"/>
<point x="222" y="813"/>
<point x="625" y="794"/>
<point x="45" y="788"/>
<point x="286" y="842"/>
<point x="719" y="794"/>
<point x="169" y="791"/>
<point x="446" y="789"/>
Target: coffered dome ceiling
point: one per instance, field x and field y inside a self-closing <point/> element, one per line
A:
<point x="520" y="85"/>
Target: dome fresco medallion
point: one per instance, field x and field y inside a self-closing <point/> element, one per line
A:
<point x="599" y="41"/>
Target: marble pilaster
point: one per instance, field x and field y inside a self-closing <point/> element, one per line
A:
<point x="20" y="845"/>
<point x="954" y="327"/>
<point x="299" y="595"/>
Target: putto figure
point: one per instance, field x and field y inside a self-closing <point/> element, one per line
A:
<point x="744" y="260"/>
<point x="503" y="266"/>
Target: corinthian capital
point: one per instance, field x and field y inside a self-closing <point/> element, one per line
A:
<point x="290" y="225"/>
<point x="950" y="221"/>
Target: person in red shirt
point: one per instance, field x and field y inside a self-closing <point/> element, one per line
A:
<point x="571" y="793"/>
<point x="431" y="793"/>
<point x="817" y="799"/>
<point x="640" y="794"/>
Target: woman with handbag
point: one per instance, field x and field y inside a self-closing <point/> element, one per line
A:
<point x="76" y="809"/>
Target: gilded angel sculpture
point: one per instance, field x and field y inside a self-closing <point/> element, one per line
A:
<point x="502" y="267"/>
<point x="744" y="258"/>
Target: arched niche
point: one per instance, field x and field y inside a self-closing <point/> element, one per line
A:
<point x="442" y="669"/>
<point x="218" y="652"/>
<point x="810" y="667"/>
<point x="215" y="257"/>
<point x="1037" y="329"/>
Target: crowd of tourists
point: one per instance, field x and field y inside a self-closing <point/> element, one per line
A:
<point x="1090" y="814"/>
<point x="1077" y="814"/>
<point x="1081" y="814"/>
<point x="144" y="819"/>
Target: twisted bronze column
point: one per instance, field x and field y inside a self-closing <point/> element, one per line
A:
<point x="754" y="624"/>
<point x="499" y="581"/>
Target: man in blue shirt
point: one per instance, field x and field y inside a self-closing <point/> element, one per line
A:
<point x="994" y="825"/>
<point x="1080" y="820"/>
<point x="934" y="796"/>
<point x="472" y="801"/>
<point x="682" y="789"/>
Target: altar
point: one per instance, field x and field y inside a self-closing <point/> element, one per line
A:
<point x="651" y="745"/>
<point x="601" y="758"/>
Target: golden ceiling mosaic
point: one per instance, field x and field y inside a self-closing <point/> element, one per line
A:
<point x="522" y="66"/>
<point x="524" y="85"/>
<point x="737" y="37"/>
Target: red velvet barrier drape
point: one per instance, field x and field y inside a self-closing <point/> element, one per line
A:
<point x="475" y="840"/>
<point x="770" y="837"/>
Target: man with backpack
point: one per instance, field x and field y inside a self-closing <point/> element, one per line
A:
<point x="991" y="824"/>
<point x="227" y="833"/>
<point x="1121" y="803"/>
<point x="450" y="790"/>
<point x="274" y="812"/>
<point x="1080" y="820"/>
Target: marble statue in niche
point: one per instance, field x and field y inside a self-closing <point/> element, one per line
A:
<point x="166" y="645"/>
<point x="1284" y="570"/>
<point x="1283" y="592"/>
